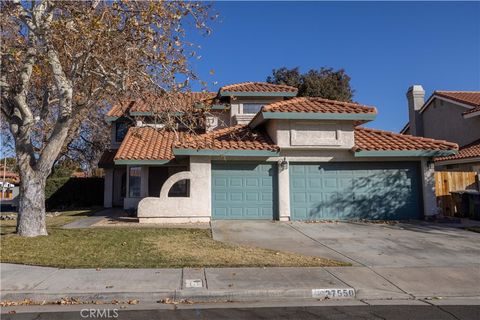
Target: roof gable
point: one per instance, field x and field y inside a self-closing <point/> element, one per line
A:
<point x="468" y="99"/>
<point x="471" y="98"/>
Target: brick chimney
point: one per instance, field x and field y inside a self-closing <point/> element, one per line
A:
<point x="416" y="99"/>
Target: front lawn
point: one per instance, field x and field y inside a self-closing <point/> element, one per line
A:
<point x="137" y="247"/>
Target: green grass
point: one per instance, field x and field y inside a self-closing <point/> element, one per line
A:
<point x="137" y="247"/>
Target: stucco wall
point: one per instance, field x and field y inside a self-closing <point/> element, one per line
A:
<point x="311" y="134"/>
<point x="108" y="188"/>
<point x="427" y="172"/>
<point x="195" y="208"/>
<point x="117" y="186"/>
<point x="443" y="120"/>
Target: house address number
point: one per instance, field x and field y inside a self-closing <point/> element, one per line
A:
<point x="332" y="293"/>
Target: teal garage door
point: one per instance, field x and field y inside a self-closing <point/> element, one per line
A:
<point x="243" y="190"/>
<point x="343" y="191"/>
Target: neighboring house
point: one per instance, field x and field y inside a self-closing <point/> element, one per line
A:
<point x="448" y="115"/>
<point x="9" y="189"/>
<point x="266" y="154"/>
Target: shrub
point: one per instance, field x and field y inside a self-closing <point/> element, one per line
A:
<point x="67" y="192"/>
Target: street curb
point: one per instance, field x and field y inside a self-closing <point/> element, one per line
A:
<point x="254" y="295"/>
<point x="188" y="295"/>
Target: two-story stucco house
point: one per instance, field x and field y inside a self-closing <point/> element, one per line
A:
<point x="266" y="154"/>
<point x="447" y="115"/>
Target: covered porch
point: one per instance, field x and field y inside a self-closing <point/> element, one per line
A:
<point x="126" y="185"/>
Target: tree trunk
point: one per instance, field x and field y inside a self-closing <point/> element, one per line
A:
<point x="31" y="210"/>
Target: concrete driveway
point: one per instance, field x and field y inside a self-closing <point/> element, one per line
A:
<point x="362" y="244"/>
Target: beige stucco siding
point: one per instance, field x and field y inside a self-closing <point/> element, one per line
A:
<point x="194" y="208"/>
<point x="312" y="134"/>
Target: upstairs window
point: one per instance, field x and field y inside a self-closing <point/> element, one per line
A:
<point x="252" y="108"/>
<point x="121" y="129"/>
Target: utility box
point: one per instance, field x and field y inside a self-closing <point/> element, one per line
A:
<point x="467" y="203"/>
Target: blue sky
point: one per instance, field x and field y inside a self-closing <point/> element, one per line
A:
<point x="384" y="47"/>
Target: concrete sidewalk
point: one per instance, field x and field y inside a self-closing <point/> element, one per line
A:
<point x="240" y="284"/>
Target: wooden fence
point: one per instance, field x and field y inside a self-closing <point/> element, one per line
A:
<point x="447" y="181"/>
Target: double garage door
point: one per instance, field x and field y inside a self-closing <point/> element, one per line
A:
<point x="318" y="191"/>
<point x="343" y="191"/>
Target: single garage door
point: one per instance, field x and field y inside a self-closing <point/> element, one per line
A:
<point x="243" y="190"/>
<point x="342" y="191"/>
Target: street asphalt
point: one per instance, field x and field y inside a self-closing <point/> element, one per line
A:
<point x="456" y="312"/>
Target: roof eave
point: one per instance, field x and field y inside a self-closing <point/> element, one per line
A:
<point x="140" y="161"/>
<point x="457" y="161"/>
<point x="110" y="119"/>
<point x="471" y="114"/>
<point x="405" y="128"/>
<point x="218" y="152"/>
<point x="404" y="153"/>
<point x="150" y="113"/>
<point x="319" y="116"/>
<point x="256" y="94"/>
<point x="262" y="117"/>
<point x="257" y="120"/>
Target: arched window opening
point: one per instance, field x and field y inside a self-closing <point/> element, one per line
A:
<point x="181" y="188"/>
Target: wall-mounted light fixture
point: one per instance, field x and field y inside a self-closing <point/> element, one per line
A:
<point x="284" y="164"/>
<point x="430" y="164"/>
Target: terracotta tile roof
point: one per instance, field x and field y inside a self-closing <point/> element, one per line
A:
<point x="146" y="143"/>
<point x="238" y="137"/>
<point x="471" y="150"/>
<point x="178" y="102"/>
<point x="471" y="98"/>
<point x="106" y="160"/>
<point x="119" y="109"/>
<point x="317" y="105"/>
<point x="79" y="174"/>
<point x="11" y="177"/>
<point x="149" y="103"/>
<point x="258" y="87"/>
<point x="379" y="140"/>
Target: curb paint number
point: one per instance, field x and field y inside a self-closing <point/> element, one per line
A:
<point x="333" y="293"/>
<point x="193" y="283"/>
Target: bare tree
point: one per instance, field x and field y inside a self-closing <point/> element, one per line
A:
<point x="63" y="60"/>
